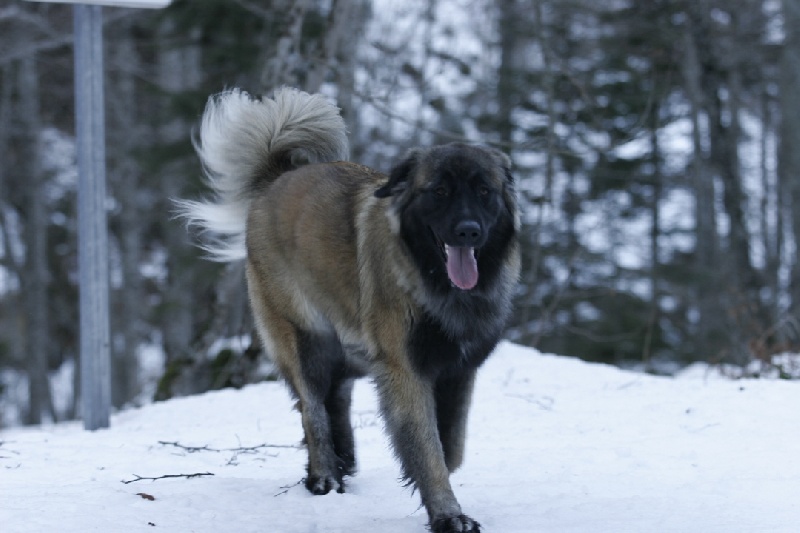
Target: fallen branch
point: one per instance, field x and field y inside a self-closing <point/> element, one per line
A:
<point x="287" y="488"/>
<point x="240" y="449"/>
<point x="166" y="476"/>
<point x="6" y="450"/>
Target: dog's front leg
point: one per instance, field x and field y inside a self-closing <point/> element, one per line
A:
<point x="409" y="408"/>
<point x="453" y="394"/>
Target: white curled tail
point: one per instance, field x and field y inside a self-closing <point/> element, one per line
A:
<point x="244" y="142"/>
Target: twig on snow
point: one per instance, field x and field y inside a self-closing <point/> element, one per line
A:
<point x="287" y="488"/>
<point x="241" y="449"/>
<point x="166" y="476"/>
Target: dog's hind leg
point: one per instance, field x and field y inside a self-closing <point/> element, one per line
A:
<point x="309" y="362"/>
<point x="324" y="406"/>
<point x="338" y="406"/>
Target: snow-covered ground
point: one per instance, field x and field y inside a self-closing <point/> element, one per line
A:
<point x="555" y="445"/>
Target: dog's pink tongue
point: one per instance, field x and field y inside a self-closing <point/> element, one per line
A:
<point x="462" y="267"/>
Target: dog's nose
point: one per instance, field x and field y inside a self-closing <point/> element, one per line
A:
<point x="468" y="233"/>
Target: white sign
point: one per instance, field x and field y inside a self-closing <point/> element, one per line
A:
<point x="151" y="4"/>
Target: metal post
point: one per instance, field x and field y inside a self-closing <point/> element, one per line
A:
<point x="92" y="222"/>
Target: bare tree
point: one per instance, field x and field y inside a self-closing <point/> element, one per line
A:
<point x="789" y="155"/>
<point x="35" y="276"/>
<point x="701" y="181"/>
<point x="287" y="61"/>
<point x="127" y="138"/>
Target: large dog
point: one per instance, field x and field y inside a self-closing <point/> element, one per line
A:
<point x="407" y="278"/>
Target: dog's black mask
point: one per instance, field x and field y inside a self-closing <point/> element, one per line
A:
<point x="450" y="199"/>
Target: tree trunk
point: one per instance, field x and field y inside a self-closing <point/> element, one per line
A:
<point x="176" y="69"/>
<point x="536" y="249"/>
<point x="733" y="198"/>
<point x="283" y="67"/>
<point x="127" y="301"/>
<point x="337" y="31"/>
<point x="655" y="236"/>
<point x="789" y="154"/>
<point x="771" y="216"/>
<point x="346" y="73"/>
<point x="709" y="329"/>
<point x="35" y="276"/>
<point x="509" y="71"/>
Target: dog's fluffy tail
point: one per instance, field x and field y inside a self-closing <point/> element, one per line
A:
<point x="245" y="142"/>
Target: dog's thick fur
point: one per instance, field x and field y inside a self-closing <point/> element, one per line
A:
<point x="407" y="278"/>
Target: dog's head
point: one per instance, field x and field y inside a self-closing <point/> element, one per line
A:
<point x="450" y="202"/>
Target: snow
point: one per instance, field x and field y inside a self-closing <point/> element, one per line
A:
<point x="555" y="445"/>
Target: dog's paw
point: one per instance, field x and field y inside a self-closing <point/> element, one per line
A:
<point x="320" y="485"/>
<point x="347" y="464"/>
<point x="455" y="524"/>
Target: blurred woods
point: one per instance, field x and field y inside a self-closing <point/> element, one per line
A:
<point x="655" y="147"/>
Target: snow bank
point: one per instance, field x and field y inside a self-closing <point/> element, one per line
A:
<point x="556" y="445"/>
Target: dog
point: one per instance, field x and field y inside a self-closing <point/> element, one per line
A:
<point x="407" y="278"/>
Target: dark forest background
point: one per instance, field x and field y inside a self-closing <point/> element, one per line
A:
<point x="656" y="144"/>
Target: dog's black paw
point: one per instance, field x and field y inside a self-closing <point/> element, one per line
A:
<point x="319" y="485"/>
<point x="347" y="464"/>
<point x="455" y="524"/>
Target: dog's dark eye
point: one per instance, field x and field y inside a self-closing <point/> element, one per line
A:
<point x="484" y="191"/>
<point x="441" y="191"/>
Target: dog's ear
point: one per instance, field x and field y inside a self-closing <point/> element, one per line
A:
<point x="504" y="162"/>
<point x="400" y="174"/>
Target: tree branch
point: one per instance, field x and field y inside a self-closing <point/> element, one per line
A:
<point x="166" y="476"/>
<point x="241" y="449"/>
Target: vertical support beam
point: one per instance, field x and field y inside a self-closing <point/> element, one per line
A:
<point x="92" y="222"/>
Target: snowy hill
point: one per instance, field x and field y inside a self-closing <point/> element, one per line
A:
<point x="555" y="445"/>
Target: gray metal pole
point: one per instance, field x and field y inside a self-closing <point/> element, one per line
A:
<point x="92" y="223"/>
